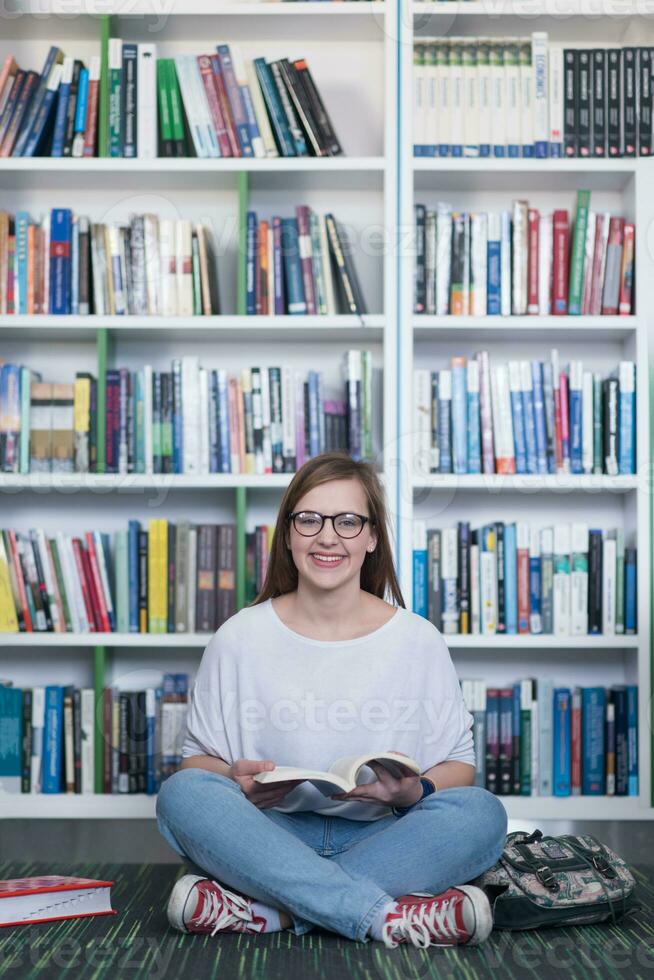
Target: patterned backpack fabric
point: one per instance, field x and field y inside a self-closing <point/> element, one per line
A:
<point x="557" y="881"/>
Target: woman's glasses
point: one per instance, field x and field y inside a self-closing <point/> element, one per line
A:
<point x="310" y="522"/>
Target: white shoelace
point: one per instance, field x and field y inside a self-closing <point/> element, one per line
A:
<point x="419" y="924"/>
<point x="229" y="911"/>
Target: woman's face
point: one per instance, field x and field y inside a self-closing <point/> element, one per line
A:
<point x="335" y="497"/>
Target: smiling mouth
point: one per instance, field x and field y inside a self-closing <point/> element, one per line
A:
<point x="327" y="561"/>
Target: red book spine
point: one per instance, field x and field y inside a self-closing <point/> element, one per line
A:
<point x="223" y="99"/>
<point x="565" y="421"/>
<point x="304" y="233"/>
<point x="93" y="595"/>
<point x="575" y="746"/>
<point x="20" y="581"/>
<point x="106" y="739"/>
<point x="560" y="263"/>
<point x="523" y="589"/>
<point x="599" y="255"/>
<point x="86" y="596"/>
<point x="218" y="119"/>
<point x="627" y="270"/>
<point x="91" y="125"/>
<point x="532" y="261"/>
<point x="97" y="582"/>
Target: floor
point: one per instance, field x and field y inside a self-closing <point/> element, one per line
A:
<point x="137" y="943"/>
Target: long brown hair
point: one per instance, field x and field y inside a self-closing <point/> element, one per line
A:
<point x="377" y="572"/>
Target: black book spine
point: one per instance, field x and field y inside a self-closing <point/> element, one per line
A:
<point x="598" y="142"/>
<point x="132" y="742"/>
<point x="631" y="559"/>
<point x="629" y="122"/>
<point x="142" y="730"/>
<point x="420" y="285"/>
<point x="645" y="101"/>
<point x="143" y="581"/>
<point x="464" y="577"/>
<point x="584" y="102"/>
<point x="69" y="131"/>
<point x="131" y="422"/>
<point x="594" y="581"/>
<point x="505" y="784"/>
<point x="610" y="417"/>
<point x="171" y="579"/>
<point x="342" y="266"/>
<point x="156" y="420"/>
<point x="129" y="101"/>
<point x="166" y="421"/>
<point x="619" y="695"/>
<point x="298" y="96"/>
<point x="93" y="428"/>
<point x="320" y="114"/>
<point x="26" y="743"/>
<point x="492" y="739"/>
<point x="570" y="101"/>
<point x="40" y="575"/>
<point x="614" y="93"/>
<point x="434" y="461"/>
<point x="77" y="738"/>
<point x="501" y="595"/>
<point x="123" y="742"/>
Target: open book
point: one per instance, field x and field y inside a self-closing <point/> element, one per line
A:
<point x="342" y="775"/>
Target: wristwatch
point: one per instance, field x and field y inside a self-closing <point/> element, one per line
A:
<point x="428" y="787"/>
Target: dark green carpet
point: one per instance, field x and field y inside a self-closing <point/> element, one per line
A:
<point x="138" y="943"/>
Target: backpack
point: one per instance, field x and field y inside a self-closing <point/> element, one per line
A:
<point x="557" y="881"/>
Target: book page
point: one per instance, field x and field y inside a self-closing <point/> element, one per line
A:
<point x="347" y="767"/>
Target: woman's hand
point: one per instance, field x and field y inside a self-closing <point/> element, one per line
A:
<point x="263" y="796"/>
<point x="404" y="790"/>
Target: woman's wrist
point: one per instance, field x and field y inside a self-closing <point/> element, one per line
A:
<point x="416" y="796"/>
<point x="427" y="787"/>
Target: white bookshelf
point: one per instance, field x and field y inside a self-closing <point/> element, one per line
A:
<point x="622" y="186"/>
<point x="361" y="56"/>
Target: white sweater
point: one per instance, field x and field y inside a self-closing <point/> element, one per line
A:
<point x="263" y="691"/>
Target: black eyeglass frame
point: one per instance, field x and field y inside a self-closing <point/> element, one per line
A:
<point x="362" y="517"/>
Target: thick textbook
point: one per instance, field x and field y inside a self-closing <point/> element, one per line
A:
<point x="342" y="775"/>
<point x="46" y="898"/>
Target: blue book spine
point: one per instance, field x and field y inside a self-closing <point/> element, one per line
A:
<point x="474" y="434"/>
<point x="548" y="395"/>
<point x="444" y="434"/>
<point x="40" y="122"/>
<point x="178" y="421"/>
<point x="575" y="409"/>
<point x="530" y="429"/>
<point x="139" y="424"/>
<point x="29" y="121"/>
<point x="561" y="762"/>
<point x="61" y="220"/>
<point x="511" y="579"/>
<point x="133" y="528"/>
<point x="517" y="700"/>
<point x="292" y="269"/>
<point x="274" y="107"/>
<point x="630" y="616"/>
<point x="556" y="151"/>
<point x="493" y="279"/>
<point x="251" y="264"/>
<point x="519" y="445"/>
<point x="539" y="416"/>
<point x="593" y="760"/>
<point x="150" y="719"/>
<point x="420" y="581"/>
<point x="82" y="99"/>
<point x="528" y="150"/>
<point x="535" y="587"/>
<point x="53" y="739"/>
<point x="314" y="429"/>
<point x="21" y="225"/>
<point x="235" y="96"/>
<point x="632" y="739"/>
<point x="11" y="738"/>
<point x="213" y="422"/>
<point x="223" y="423"/>
<point x="627" y="416"/>
<point x="253" y="128"/>
<point x="459" y="417"/>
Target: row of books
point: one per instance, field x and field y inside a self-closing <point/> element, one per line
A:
<point x="527" y="97"/>
<point x="301" y="265"/>
<point x="524" y="417"/>
<point x="166" y="578"/>
<point x="207" y="105"/>
<point x="513" y="578"/>
<point x="67" y="264"/>
<point x="535" y="739"/>
<point x="522" y="262"/>
<point x="49" y="734"/>
<point x="189" y="419"/>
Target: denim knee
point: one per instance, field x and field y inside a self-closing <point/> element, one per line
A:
<point x="489" y="816"/>
<point x="178" y="790"/>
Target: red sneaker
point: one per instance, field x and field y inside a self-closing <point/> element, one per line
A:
<point x="456" y="916"/>
<point x="202" y="905"/>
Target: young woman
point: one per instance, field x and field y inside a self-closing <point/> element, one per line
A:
<point x="321" y="666"/>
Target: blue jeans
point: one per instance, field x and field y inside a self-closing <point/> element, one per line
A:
<point x="328" y="871"/>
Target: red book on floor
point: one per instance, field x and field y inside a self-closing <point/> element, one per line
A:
<point x="46" y="898"/>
